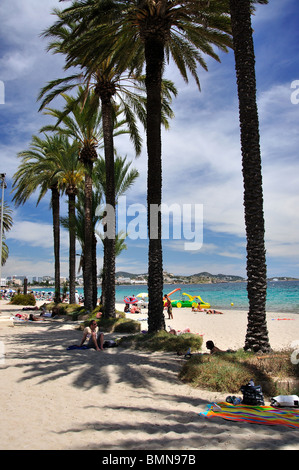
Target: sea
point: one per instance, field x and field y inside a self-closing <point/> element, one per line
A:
<point x="282" y="296"/>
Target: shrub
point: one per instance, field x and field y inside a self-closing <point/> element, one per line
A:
<point x="164" y="341"/>
<point x="120" y="325"/>
<point x="23" y="299"/>
<point x="227" y="372"/>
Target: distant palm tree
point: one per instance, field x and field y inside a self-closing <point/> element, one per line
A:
<point x="7" y="225"/>
<point x="70" y="177"/>
<point x="257" y="333"/>
<point x="37" y="170"/>
<point x="81" y="119"/>
<point x="83" y="124"/>
<point x="124" y="178"/>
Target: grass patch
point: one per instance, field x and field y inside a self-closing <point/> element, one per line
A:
<point x="164" y="341"/>
<point x="227" y="372"/>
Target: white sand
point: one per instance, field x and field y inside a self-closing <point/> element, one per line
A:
<point x="52" y="398"/>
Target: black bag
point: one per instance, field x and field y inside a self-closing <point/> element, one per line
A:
<point x="252" y="394"/>
<point x="109" y="344"/>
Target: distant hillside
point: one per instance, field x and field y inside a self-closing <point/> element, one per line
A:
<point x="203" y="277"/>
<point x="223" y="277"/>
<point x="126" y="274"/>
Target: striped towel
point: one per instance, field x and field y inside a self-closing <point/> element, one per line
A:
<point x="254" y="414"/>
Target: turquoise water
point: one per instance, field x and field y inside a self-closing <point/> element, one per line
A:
<point x="282" y="296"/>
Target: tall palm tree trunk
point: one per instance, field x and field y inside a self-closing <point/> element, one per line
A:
<point x="72" y="247"/>
<point x="56" y="235"/>
<point x="94" y="272"/>
<point x="88" y="239"/>
<point x="154" y="56"/>
<point x="257" y="333"/>
<point x="109" y="243"/>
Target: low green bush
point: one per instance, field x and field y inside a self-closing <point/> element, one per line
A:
<point x="164" y="341"/>
<point x="119" y="325"/>
<point x="23" y="299"/>
<point x="227" y="372"/>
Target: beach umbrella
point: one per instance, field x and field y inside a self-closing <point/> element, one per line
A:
<point x="143" y="294"/>
<point x="131" y="300"/>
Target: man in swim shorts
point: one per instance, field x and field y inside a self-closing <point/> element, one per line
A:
<point x="169" y="307"/>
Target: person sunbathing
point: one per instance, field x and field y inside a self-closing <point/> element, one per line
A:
<point x="214" y="312"/>
<point x="212" y="348"/>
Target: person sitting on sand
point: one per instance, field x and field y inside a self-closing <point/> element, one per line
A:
<point x="198" y="309"/>
<point x="212" y="348"/>
<point x="94" y="337"/>
<point x="134" y="309"/>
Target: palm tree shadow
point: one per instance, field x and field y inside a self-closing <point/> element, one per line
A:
<point x="44" y="355"/>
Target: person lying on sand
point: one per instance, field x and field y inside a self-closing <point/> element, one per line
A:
<point x="94" y="337"/>
<point x="34" y="318"/>
<point x="212" y="348"/>
<point x="214" y="312"/>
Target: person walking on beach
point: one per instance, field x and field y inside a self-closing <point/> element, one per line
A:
<point x="94" y="337"/>
<point x="169" y="307"/>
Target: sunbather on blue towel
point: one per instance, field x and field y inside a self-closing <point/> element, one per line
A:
<point x="94" y="337"/>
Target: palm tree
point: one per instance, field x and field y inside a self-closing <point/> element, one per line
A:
<point x="257" y="333"/>
<point x="124" y="179"/>
<point x="38" y="170"/>
<point x="7" y="225"/>
<point x="154" y="30"/>
<point x="70" y="176"/>
<point x="82" y="120"/>
<point x="83" y="125"/>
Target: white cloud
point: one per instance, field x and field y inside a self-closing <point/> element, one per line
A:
<point x="35" y="234"/>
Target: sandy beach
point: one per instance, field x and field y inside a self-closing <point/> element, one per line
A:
<point x="58" y="399"/>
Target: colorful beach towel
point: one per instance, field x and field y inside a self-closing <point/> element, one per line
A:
<point x="254" y="414"/>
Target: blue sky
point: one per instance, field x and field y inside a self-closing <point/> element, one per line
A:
<point x="201" y="151"/>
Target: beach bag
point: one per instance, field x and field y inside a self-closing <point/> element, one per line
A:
<point x="285" y="400"/>
<point x="252" y="394"/>
<point x="109" y="344"/>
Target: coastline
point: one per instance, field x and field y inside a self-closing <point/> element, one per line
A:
<point x="122" y="399"/>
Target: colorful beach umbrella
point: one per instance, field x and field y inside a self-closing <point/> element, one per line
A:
<point x="143" y="294"/>
<point x="131" y="300"/>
